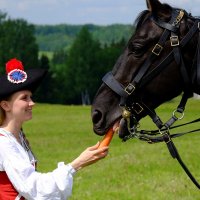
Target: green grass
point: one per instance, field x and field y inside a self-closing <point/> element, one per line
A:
<point x="132" y="170"/>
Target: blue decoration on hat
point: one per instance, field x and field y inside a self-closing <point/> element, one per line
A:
<point x="17" y="76"/>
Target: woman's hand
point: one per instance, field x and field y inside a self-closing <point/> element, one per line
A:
<point x="89" y="156"/>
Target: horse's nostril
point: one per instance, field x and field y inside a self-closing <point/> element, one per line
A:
<point x="96" y="116"/>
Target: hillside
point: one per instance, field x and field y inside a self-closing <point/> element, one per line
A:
<point x="56" y="37"/>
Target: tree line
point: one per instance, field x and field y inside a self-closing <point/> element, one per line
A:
<point x="74" y="74"/>
<point x="62" y="36"/>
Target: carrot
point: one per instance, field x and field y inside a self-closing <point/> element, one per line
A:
<point x="107" y="138"/>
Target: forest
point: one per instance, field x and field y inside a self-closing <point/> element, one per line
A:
<point x="76" y="56"/>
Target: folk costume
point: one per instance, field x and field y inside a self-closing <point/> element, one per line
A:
<point x="19" y="179"/>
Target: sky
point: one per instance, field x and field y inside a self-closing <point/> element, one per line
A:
<point x="99" y="12"/>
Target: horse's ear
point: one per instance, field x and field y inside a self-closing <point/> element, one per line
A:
<point x="153" y="5"/>
<point x="159" y="9"/>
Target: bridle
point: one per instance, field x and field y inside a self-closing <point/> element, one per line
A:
<point x="132" y="109"/>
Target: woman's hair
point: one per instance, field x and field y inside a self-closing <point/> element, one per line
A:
<point x="2" y="115"/>
<point x="2" y="112"/>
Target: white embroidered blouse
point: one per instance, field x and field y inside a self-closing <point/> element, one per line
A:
<point x="18" y="163"/>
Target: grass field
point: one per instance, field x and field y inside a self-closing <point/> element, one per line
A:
<point x="132" y="170"/>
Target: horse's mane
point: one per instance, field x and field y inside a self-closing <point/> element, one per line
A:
<point x="193" y="17"/>
<point x="141" y="18"/>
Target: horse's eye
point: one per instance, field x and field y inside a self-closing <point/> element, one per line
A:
<point x="136" y="49"/>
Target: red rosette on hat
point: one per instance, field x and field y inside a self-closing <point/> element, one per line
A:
<point x="15" y="71"/>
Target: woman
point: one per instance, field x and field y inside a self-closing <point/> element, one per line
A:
<point x="18" y="177"/>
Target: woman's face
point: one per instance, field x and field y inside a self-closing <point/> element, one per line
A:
<point x="20" y="106"/>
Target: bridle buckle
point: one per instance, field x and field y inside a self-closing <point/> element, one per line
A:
<point x="157" y="49"/>
<point x="174" y="41"/>
<point x="129" y="89"/>
<point x="137" y="108"/>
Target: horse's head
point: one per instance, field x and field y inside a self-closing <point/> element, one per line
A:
<point x="156" y="66"/>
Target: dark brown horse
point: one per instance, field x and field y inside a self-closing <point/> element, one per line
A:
<point x="160" y="61"/>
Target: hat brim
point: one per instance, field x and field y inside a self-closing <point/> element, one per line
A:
<point x="34" y="78"/>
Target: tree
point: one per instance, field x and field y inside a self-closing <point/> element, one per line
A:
<point x="17" y="40"/>
<point x="45" y="91"/>
<point x="109" y="55"/>
<point x="79" y="72"/>
<point x="82" y="66"/>
<point x="60" y="76"/>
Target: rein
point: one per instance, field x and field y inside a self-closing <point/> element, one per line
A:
<point x="131" y="110"/>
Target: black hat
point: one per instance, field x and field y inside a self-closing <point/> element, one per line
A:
<point x="17" y="79"/>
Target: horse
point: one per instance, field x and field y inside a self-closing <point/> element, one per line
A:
<point x="160" y="62"/>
